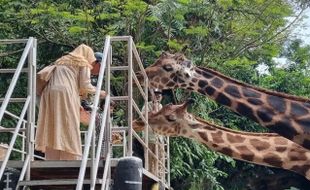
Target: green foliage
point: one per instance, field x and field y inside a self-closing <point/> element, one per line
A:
<point x="187" y="157"/>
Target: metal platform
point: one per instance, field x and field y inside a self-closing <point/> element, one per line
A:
<point x="64" y="174"/>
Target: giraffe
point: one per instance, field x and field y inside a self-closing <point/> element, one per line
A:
<point x="284" y="114"/>
<point x="268" y="149"/>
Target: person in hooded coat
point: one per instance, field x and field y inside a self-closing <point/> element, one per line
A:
<point x="58" y="126"/>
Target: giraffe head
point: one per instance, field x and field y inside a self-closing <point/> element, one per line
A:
<point x="169" y="71"/>
<point x="172" y="120"/>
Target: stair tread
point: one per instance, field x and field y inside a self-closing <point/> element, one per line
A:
<point x="55" y="182"/>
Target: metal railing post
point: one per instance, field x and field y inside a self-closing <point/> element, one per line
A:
<point x="92" y="118"/>
<point x="130" y="70"/>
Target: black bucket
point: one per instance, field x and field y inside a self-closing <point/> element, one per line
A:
<point x="128" y="174"/>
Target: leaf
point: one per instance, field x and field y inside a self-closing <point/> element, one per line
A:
<point x="76" y="29"/>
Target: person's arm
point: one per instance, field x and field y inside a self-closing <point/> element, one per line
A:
<point x="85" y="84"/>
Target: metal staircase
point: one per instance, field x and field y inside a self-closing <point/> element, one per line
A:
<point x="91" y="172"/>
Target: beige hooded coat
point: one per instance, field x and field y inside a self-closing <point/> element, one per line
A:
<point x="58" y="124"/>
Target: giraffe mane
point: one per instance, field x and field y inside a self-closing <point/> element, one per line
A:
<point x="270" y="92"/>
<point x="235" y="131"/>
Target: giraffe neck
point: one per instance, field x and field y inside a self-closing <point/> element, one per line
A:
<point x="267" y="149"/>
<point x="286" y="115"/>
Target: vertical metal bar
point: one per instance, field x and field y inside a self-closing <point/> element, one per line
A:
<point x="146" y="91"/>
<point x="32" y="64"/>
<point x="92" y="119"/>
<point x="168" y="160"/>
<point x="31" y="109"/>
<point x="15" y="77"/>
<point x="23" y="142"/>
<point x="130" y="70"/>
<point x="103" y="123"/>
<point x="22" y="173"/>
<point x="110" y="124"/>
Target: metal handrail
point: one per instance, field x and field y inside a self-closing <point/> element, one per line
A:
<point x="102" y="130"/>
<point x="93" y="115"/>
<point x="29" y="51"/>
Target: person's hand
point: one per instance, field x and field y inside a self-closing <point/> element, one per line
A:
<point x="103" y="94"/>
<point x="84" y="116"/>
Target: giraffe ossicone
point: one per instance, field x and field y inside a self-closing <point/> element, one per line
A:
<point x="268" y="149"/>
<point x="284" y="114"/>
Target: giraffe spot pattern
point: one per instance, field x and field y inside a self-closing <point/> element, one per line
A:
<point x="259" y="145"/>
<point x="164" y="80"/>
<point x="223" y="99"/>
<point x="280" y="141"/>
<point x="170" y="84"/>
<point x="306" y="144"/>
<point x="273" y="160"/>
<point x="227" y="151"/>
<point x="255" y="101"/>
<point x="233" y="91"/>
<point x="277" y="103"/>
<point x="245" y="110"/>
<point x="175" y="79"/>
<point x="194" y="80"/>
<point x="245" y="153"/>
<point x="280" y="149"/>
<point x="284" y="127"/>
<point x="172" y="75"/>
<point x="190" y="88"/>
<point x="194" y="126"/>
<point x="235" y="138"/>
<point x="209" y="128"/>
<point x="201" y="91"/>
<point x="247" y="92"/>
<point x="157" y="79"/>
<point x="209" y="90"/>
<point x="184" y="131"/>
<point x="305" y="124"/>
<point x="298" y="110"/>
<point x="265" y="114"/>
<point x="202" y="83"/>
<point x="203" y="136"/>
<point x="205" y="74"/>
<point x="218" y="137"/>
<point x="180" y="80"/>
<point x="297" y="155"/>
<point x="218" y="83"/>
<point x="301" y="169"/>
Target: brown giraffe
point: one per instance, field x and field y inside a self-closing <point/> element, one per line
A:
<point x="268" y="149"/>
<point x="285" y="114"/>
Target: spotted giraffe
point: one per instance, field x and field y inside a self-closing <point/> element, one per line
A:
<point x="284" y="114"/>
<point x="268" y="149"/>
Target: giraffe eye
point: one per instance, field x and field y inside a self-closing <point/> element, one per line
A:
<point x="171" y="118"/>
<point x="167" y="68"/>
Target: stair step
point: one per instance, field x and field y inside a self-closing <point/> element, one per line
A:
<point x="55" y="182"/>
